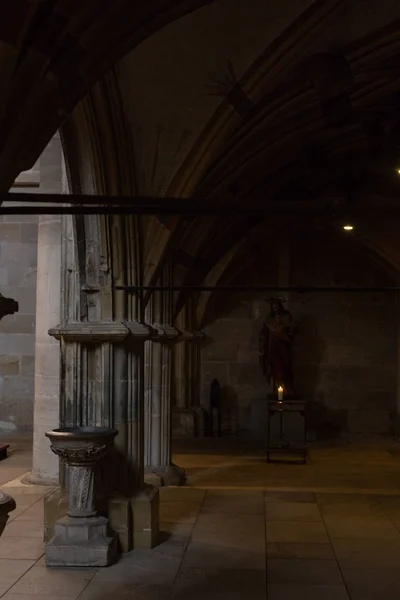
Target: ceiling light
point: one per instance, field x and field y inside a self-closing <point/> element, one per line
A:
<point x="348" y="227"/>
<point x="398" y="171"/>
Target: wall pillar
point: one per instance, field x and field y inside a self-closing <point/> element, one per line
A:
<point x="47" y="359"/>
<point x="188" y="417"/>
<point x="102" y="381"/>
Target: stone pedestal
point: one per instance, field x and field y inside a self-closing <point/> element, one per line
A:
<point x="82" y="538"/>
<point x="82" y="543"/>
<point x="7" y="505"/>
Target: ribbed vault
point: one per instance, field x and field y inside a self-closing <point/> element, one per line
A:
<point x="308" y="123"/>
<point x="53" y="51"/>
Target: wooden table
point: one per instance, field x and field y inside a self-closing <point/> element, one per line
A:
<point x="285" y="446"/>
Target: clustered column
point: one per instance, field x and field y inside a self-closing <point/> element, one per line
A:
<point x="158" y="393"/>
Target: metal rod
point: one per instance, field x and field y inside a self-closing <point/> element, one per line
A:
<point x="72" y="204"/>
<point x="299" y="289"/>
<point x="192" y="211"/>
<point x="132" y="210"/>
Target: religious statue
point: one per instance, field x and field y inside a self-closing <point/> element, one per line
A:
<point x="275" y="347"/>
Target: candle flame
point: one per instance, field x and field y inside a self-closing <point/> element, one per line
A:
<point x="280" y="389"/>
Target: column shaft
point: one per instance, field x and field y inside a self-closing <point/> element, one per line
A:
<point x="47" y="356"/>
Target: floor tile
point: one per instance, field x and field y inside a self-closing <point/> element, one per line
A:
<point x="50" y="582"/>
<point x="293" y="550"/>
<point x="368" y="584"/>
<point x="12" y="570"/>
<point x="16" y="513"/>
<point x="176" y="532"/>
<point x="389" y="504"/>
<point x="223" y="583"/>
<point x="361" y="527"/>
<point x="23" y="548"/>
<point x="285" y="531"/>
<point x="395" y="519"/>
<point x="182" y="494"/>
<point x="297" y="496"/>
<point x="348" y="504"/>
<point x="292" y="511"/>
<point x="303" y="571"/>
<point x="179" y="512"/>
<point x="24" y="500"/>
<point x="11" y="596"/>
<point x="142" y="568"/>
<point x="282" y="591"/>
<point x="33" y="513"/>
<point x="24" y="529"/>
<point x="224" y="556"/>
<point x="244" y="530"/>
<point x="367" y="554"/>
<point x="106" y="590"/>
<point x="233" y="502"/>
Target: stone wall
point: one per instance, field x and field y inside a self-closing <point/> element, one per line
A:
<point x="18" y="260"/>
<point x="345" y="351"/>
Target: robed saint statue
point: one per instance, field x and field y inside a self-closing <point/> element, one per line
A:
<point x="275" y="347"/>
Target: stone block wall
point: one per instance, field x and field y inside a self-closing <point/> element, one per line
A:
<point x="18" y="260"/>
<point x="345" y="351"/>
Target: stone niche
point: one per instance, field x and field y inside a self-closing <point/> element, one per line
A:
<point x="345" y="351"/>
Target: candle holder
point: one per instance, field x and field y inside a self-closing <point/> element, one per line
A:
<point x="7" y="505"/>
<point x="82" y="538"/>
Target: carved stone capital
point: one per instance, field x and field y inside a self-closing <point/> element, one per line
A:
<point x="81" y="455"/>
<point x="166" y="333"/>
<point x="113" y="332"/>
<point x="91" y="332"/>
<point x="140" y="331"/>
<point x="199" y="336"/>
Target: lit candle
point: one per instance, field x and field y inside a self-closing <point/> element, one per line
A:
<point x="280" y="393"/>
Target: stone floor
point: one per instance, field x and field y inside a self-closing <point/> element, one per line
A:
<point x="241" y="529"/>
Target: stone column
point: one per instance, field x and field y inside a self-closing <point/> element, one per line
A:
<point x="103" y="386"/>
<point x="188" y="416"/>
<point x="47" y="359"/>
<point x="179" y="364"/>
<point x="158" y="418"/>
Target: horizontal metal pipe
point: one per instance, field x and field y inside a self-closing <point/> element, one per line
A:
<point x="52" y="204"/>
<point x="299" y="289"/>
<point x="196" y="211"/>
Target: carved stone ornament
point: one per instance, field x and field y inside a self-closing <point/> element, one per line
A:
<point x="81" y="448"/>
<point x="80" y="456"/>
<point x="82" y="538"/>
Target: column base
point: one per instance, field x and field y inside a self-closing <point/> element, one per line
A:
<point x="55" y="508"/>
<point x="166" y="475"/>
<point x="36" y="479"/>
<point x="135" y="520"/>
<point x="145" y="507"/>
<point x="82" y="543"/>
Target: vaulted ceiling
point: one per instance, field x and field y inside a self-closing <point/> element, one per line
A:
<point x="290" y="106"/>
